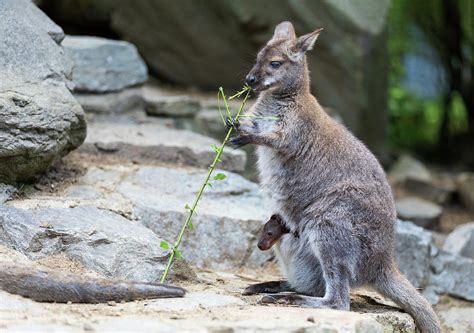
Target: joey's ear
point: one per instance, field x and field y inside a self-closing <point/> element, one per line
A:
<point x="284" y="30"/>
<point x="306" y="42"/>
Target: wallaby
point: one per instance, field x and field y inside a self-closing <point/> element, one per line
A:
<point x="327" y="186"/>
<point x="272" y="231"/>
<point x="44" y="285"/>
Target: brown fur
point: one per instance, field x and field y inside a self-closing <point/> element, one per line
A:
<point x="326" y="185"/>
<point x="271" y="233"/>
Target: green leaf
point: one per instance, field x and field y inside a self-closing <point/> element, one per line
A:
<point x="220" y="176"/>
<point x="164" y="245"/>
<point x="187" y="207"/>
<point x="178" y="254"/>
<point x="216" y="148"/>
<point x="191" y="225"/>
<point x="209" y="184"/>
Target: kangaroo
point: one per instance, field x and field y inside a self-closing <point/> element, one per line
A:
<point x="327" y="186"/>
<point x="43" y="285"/>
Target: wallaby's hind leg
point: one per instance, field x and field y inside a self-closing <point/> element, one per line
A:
<point x="267" y="287"/>
<point x="336" y="297"/>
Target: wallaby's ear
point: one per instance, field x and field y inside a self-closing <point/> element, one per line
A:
<point x="284" y="30"/>
<point x="306" y="42"/>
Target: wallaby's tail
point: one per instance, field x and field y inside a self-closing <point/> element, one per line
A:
<point x="396" y="287"/>
<point x="48" y="286"/>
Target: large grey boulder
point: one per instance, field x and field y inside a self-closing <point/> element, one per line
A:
<point x="41" y="121"/>
<point x="461" y="241"/>
<point x="413" y="252"/>
<point x="104" y="65"/>
<point x="100" y="240"/>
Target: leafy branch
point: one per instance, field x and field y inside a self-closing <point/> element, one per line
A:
<point x="175" y="252"/>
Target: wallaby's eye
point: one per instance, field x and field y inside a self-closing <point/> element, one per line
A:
<point x="269" y="233"/>
<point x="275" y="64"/>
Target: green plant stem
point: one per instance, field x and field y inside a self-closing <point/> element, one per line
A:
<point x="203" y="186"/>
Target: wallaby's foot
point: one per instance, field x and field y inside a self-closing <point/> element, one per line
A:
<point x="239" y="141"/>
<point x="267" y="287"/>
<point x="292" y="299"/>
<point x="232" y="123"/>
<point x="305" y="301"/>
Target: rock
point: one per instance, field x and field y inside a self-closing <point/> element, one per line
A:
<point x="102" y="65"/>
<point x="129" y="99"/>
<point x="226" y="223"/>
<point x="394" y="322"/>
<point x="465" y="184"/>
<point x="421" y="212"/>
<point x="150" y="142"/>
<point x="338" y="72"/>
<point x="439" y="238"/>
<point x="40" y="21"/>
<point x="32" y="54"/>
<point x="458" y="319"/>
<point x="6" y="191"/>
<point x="432" y="294"/>
<point x="461" y="241"/>
<point x="428" y="190"/>
<point x="208" y="121"/>
<point x="41" y="120"/>
<point x="453" y="275"/>
<point x="413" y="251"/>
<point x="159" y="102"/>
<point x="100" y="240"/>
<point x="30" y="144"/>
<point x="408" y="167"/>
<point x="8" y="255"/>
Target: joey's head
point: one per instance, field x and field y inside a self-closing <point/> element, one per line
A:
<point x="281" y="63"/>
<point x="271" y="233"/>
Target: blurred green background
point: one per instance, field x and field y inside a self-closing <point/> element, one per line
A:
<point x="431" y="78"/>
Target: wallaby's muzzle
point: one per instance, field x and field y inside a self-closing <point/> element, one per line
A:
<point x="251" y="79"/>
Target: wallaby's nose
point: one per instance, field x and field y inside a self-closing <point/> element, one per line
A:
<point x="251" y="79"/>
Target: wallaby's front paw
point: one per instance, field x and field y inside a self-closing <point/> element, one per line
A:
<point x="232" y="123"/>
<point x="238" y="141"/>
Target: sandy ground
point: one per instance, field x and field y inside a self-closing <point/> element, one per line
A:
<point x="214" y="303"/>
